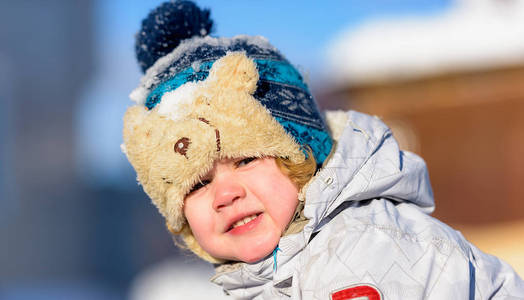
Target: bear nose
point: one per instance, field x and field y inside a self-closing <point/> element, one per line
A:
<point x="217" y="132"/>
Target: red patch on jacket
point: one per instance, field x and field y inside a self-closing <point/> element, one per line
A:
<point x="360" y="291"/>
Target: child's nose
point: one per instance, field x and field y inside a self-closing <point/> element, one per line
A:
<point x="227" y="191"/>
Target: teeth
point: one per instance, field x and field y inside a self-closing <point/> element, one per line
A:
<point x="244" y="220"/>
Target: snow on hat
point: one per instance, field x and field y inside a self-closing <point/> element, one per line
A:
<point x="205" y="98"/>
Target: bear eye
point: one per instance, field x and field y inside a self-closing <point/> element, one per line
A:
<point x="181" y="146"/>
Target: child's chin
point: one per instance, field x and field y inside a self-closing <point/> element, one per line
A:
<point x="257" y="248"/>
<point x="256" y="257"/>
<point x="253" y="260"/>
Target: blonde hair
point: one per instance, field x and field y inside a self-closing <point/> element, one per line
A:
<point x="299" y="173"/>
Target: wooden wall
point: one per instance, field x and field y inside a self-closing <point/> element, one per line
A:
<point x="469" y="127"/>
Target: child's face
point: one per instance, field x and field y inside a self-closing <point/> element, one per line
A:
<point x="241" y="209"/>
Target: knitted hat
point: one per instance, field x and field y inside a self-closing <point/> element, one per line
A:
<point x="204" y="98"/>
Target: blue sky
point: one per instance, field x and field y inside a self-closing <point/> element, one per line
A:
<point x="300" y="29"/>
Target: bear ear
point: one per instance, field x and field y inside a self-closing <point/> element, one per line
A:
<point x="234" y="71"/>
<point x="133" y="118"/>
<point x="143" y="132"/>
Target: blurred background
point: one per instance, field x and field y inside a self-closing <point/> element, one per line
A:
<point x="446" y="75"/>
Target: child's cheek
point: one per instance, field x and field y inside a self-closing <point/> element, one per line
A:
<point x="196" y="215"/>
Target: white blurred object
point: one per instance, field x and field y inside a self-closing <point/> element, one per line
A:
<point x="473" y="34"/>
<point x="176" y="279"/>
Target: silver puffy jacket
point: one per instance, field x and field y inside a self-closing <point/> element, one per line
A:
<point x="369" y="234"/>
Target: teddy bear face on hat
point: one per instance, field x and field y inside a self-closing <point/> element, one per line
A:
<point x="175" y="143"/>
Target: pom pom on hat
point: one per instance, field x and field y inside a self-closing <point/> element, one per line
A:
<point x="166" y="26"/>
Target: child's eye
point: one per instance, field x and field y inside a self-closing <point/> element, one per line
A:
<point x="199" y="185"/>
<point x="245" y="161"/>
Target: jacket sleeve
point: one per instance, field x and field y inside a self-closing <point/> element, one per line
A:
<point x="398" y="252"/>
<point x="495" y="279"/>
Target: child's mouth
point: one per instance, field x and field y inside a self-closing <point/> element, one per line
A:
<point x="245" y="224"/>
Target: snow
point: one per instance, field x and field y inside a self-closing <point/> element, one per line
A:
<point x="473" y="34"/>
<point x="123" y="148"/>
<point x="139" y="95"/>
<point x="196" y="65"/>
<point x="175" y="104"/>
<point x="176" y="279"/>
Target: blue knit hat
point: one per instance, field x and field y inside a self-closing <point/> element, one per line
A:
<point x="173" y="46"/>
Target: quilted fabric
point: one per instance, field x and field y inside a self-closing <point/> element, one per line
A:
<point x="369" y="233"/>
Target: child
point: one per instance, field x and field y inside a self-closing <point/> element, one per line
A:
<point x="229" y="144"/>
